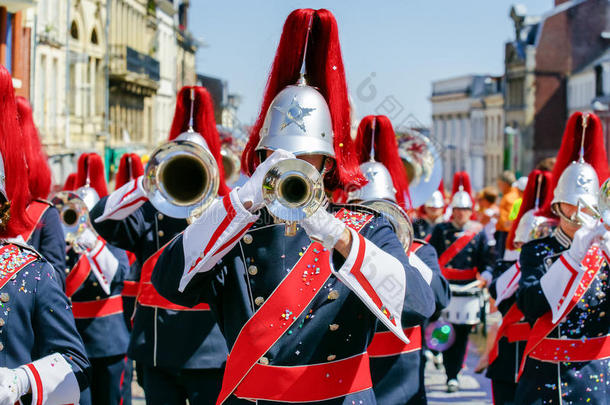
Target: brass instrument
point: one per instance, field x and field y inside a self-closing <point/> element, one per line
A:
<point x="292" y="191"/>
<point x="397" y="217"/>
<point x="74" y="216"/>
<point x="181" y="178"/>
<point x="601" y="212"/>
<point x="231" y="163"/>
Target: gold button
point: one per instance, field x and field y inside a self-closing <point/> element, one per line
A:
<point x="1" y="322"/>
<point x="247" y="239"/>
<point x="95" y="283"/>
<point x="1" y="347"/>
<point x="159" y="216"/>
<point x="67" y="258"/>
<point x="331" y="357"/>
<point x="160" y="233"/>
<point x="333" y="295"/>
<point x="98" y="298"/>
<point x="264" y="361"/>
<point x="4" y="297"/>
<point x="333" y="327"/>
<point x="252" y="270"/>
<point x="259" y="301"/>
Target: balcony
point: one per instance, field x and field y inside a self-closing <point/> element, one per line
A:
<point x="138" y="72"/>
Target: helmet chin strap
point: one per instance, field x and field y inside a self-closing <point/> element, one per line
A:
<point x="572" y="220"/>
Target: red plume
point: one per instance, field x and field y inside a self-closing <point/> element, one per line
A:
<point x="203" y="123"/>
<point x="70" y="182"/>
<point x="130" y="167"/>
<point x="569" y="151"/>
<point x="325" y="72"/>
<point x="11" y="148"/>
<point x="386" y="152"/>
<point x="39" y="173"/>
<point x="91" y="164"/>
<point x="529" y="200"/>
<point x="461" y="179"/>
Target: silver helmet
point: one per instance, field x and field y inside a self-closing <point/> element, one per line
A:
<point x="379" y="184"/>
<point x="2" y="178"/>
<point x="298" y="121"/>
<point x="436" y="200"/>
<point x="461" y="199"/>
<point x="577" y="184"/>
<point x="532" y="227"/>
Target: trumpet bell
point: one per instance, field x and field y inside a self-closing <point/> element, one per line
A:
<point x="231" y="164"/>
<point x="293" y="190"/>
<point x="397" y="217"/>
<point x="181" y="178"/>
<point x="73" y="213"/>
<point x="89" y="196"/>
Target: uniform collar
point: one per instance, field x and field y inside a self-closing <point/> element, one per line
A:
<point x="563" y="239"/>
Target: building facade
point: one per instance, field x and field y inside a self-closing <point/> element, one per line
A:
<point x="15" y="42"/>
<point x="467" y="119"/>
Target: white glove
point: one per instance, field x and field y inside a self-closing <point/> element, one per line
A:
<point x="86" y="240"/>
<point x="583" y="238"/>
<point x="14" y="383"/>
<point x="323" y="227"/>
<point x="252" y="189"/>
<point x="604" y="242"/>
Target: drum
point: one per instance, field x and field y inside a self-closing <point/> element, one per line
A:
<point x="465" y="305"/>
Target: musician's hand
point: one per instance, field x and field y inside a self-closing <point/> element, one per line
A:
<point x="251" y="193"/>
<point x="86" y="240"/>
<point x="325" y="228"/>
<point x="583" y="238"/>
<point x="14" y="383"/>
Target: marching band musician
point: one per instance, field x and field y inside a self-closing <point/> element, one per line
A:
<point x="532" y="222"/>
<point x="94" y="284"/>
<point x="43" y="359"/>
<point x="297" y="333"/>
<point x="46" y="236"/>
<point x="181" y="350"/>
<point x="564" y="281"/>
<point x="430" y="215"/>
<point x="464" y="257"/>
<point x="397" y="369"/>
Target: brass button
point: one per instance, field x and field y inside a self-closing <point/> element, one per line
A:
<point x="247" y="239"/>
<point x="252" y="270"/>
<point x="1" y="347"/>
<point x="67" y="258"/>
<point x="264" y="361"/>
<point x="259" y="301"/>
<point x="333" y="327"/>
<point x="1" y="322"/>
<point x="331" y="357"/>
<point x="98" y="298"/>
<point x="4" y="297"/>
<point x="333" y="295"/>
<point x="95" y="283"/>
<point x="159" y="216"/>
<point x="160" y="233"/>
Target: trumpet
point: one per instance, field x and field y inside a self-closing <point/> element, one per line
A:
<point x="74" y="217"/>
<point x="181" y="177"/>
<point x="292" y="191"/>
<point x="600" y="213"/>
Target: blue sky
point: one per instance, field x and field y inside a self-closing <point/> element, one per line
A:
<point x="397" y="46"/>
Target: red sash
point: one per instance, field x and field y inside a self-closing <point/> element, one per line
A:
<point x="310" y="383"/>
<point x="98" y="308"/>
<point x="130" y="288"/>
<point x="287" y="302"/>
<point x="572" y="350"/>
<point x="387" y="344"/>
<point x="13" y="260"/>
<point x="448" y="255"/>
<point x="78" y="275"/>
<point x="513" y="316"/>
<point x="148" y="295"/>
<point x="35" y="210"/>
<point x="544" y="325"/>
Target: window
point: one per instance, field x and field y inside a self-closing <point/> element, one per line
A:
<point x="94" y="37"/>
<point x="599" y="81"/>
<point x="74" y="30"/>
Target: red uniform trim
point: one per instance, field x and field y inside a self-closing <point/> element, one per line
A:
<point x="310" y="383"/>
<point x="572" y="350"/>
<point x="518" y="332"/>
<point x="130" y="288"/>
<point x="131" y="257"/>
<point x="78" y="275"/>
<point x="231" y="213"/>
<point x="387" y="344"/>
<point x="455" y="248"/>
<point x="458" y="274"/>
<point x="38" y="381"/>
<point x="511" y="317"/>
<point x="150" y="297"/>
<point x="574" y="272"/>
<point x="544" y="325"/>
<point x="8" y="272"/>
<point x="98" y="308"/>
<point x="287" y="302"/>
<point x="35" y="210"/>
